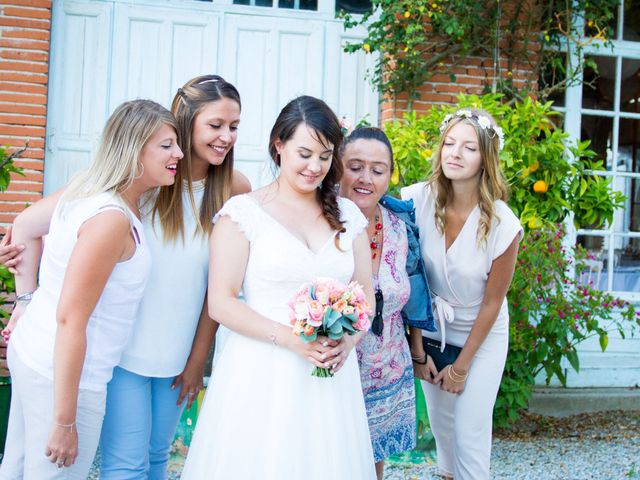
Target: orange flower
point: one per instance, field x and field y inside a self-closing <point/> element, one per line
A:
<point x="339" y="305"/>
<point x="540" y="186"/>
<point x="308" y="330"/>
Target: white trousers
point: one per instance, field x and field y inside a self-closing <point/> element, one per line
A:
<point x="462" y="424"/>
<point x="30" y="421"/>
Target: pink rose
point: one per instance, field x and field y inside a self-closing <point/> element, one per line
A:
<point x="363" y="324"/>
<point x="322" y="293"/>
<point x="316" y="312"/>
<point x="339" y="306"/>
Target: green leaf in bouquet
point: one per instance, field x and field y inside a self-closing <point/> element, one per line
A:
<point x="330" y="318"/>
<point x="335" y="336"/>
<point x="347" y="325"/>
<point x="309" y="338"/>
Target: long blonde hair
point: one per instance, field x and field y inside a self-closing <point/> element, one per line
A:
<point x="493" y="186"/>
<point x="116" y="164"/>
<point x="187" y="104"/>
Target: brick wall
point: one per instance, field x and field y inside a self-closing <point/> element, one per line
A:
<point x="25" y="28"/>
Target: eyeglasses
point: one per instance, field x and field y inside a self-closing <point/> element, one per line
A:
<point x="376" y="325"/>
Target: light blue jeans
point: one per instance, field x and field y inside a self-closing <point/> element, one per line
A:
<point x="139" y="426"/>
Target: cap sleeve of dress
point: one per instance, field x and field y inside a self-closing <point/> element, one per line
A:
<point x="241" y="210"/>
<point x="415" y="192"/>
<point x="355" y="221"/>
<point x="507" y="229"/>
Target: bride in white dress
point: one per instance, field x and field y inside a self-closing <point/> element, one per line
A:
<point x="264" y="415"/>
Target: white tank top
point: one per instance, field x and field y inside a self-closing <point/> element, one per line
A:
<point x="111" y="321"/>
<point x="170" y="309"/>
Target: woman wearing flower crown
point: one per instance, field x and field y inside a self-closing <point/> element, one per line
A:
<point x="469" y="243"/>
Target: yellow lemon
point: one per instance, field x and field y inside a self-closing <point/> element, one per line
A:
<point x="407" y="14"/>
<point x="534" y="223"/>
<point x="395" y="177"/>
<point x="366" y="47"/>
<point x="426" y="153"/>
<point x="534" y="166"/>
<point x="540" y="186"/>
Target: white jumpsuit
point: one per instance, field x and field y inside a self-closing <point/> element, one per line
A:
<point x="458" y="276"/>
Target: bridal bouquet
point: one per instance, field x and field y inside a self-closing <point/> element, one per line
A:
<point x="327" y="307"/>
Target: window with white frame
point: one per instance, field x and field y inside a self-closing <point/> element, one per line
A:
<point x="605" y="109"/>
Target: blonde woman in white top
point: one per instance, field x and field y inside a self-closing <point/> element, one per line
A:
<point x="469" y="243"/>
<point x="65" y="342"/>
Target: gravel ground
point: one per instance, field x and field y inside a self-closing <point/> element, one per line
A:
<point x="596" y="446"/>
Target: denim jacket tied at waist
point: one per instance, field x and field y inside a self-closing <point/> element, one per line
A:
<point x="417" y="312"/>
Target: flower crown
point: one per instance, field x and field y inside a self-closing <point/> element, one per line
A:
<point x="483" y="122"/>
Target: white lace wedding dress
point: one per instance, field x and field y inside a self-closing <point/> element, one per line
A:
<point x="264" y="416"/>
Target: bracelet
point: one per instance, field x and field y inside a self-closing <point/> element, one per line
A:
<point x="69" y="426"/>
<point x="23" y="297"/>
<point x="274" y="339"/>
<point x="420" y="360"/>
<point x="451" y="373"/>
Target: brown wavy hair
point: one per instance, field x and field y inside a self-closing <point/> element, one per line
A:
<point x="493" y="186"/>
<point x="316" y="114"/>
<point x="188" y="102"/>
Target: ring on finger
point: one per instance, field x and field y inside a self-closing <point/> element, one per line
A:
<point x="60" y="464"/>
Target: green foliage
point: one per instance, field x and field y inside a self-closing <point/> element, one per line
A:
<point x="551" y="310"/>
<point x="7" y="284"/>
<point x="553" y="307"/>
<point x="537" y="156"/>
<point x="415" y="39"/>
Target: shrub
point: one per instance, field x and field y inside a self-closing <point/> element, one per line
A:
<point x="551" y="311"/>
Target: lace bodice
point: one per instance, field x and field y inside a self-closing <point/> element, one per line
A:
<point x="279" y="262"/>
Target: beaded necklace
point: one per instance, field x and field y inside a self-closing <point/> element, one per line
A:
<point x="375" y="244"/>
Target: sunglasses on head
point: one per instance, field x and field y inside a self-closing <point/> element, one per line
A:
<point x="376" y="325"/>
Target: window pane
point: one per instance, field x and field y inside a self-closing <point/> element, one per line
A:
<point x="631" y="29"/>
<point x="553" y="73"/>
<point x="300" y="5"/>
<point x="599" y="82"/>
<point x="626" y="270"/>
<point x="353" y="6"/>
<point x="630" y="87"/>
<point x="594" y="267"/>
<point x="257" y="3"/>
<point x="598" y="130"/>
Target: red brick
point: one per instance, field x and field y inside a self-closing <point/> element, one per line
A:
<point x="35" y="153"/>
<point x="448" y="88"/>
<point x="23" y="109"/>
<point x="9" y="196"/>
<point x="25" y="23"/>
<point x="24" y="55"/>
<point x="24" y="67"/>
<point x="32" y="3"/>
<point x="7" y="217"/>
<point x="33" y="177"/>
<point x="22" y="120"/>
<point x="16" y="97"/>
<point x="27" y="34"/>
<point x="20" y="142"/>
<point x="25" y="44"/>
<point x="23" y="130"/>
<point x="41" y="13"/>
<point x="13" y="207"/>
<point x="23" y="88"/>
<point x="36" y="78"/>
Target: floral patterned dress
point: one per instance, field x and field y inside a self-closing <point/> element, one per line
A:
<point x="386" y="371"/>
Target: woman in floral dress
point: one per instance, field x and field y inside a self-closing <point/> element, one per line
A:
<point x="383" y="353"/>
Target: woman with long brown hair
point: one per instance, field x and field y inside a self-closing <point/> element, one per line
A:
<point x="268" y="243"/>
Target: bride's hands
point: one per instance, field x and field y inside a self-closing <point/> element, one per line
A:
<point x="317" y="352"/>
<point x="341" y="351"/>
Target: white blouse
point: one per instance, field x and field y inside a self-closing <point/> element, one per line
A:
<point x="458" y="276"/>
